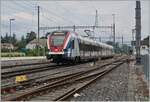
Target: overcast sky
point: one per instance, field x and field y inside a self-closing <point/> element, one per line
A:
<point x="60" y="13"/>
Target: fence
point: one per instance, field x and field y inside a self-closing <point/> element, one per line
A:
<point x="145" y="62"/>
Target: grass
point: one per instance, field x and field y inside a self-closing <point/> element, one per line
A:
<point x="12" y="54"/>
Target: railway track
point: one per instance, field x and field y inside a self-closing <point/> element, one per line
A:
<point x="13" y="73"/>
<point x="31" y="69"/>
<point x="14" y="70"/>
<point x="83" y="78"/>
<point x="9" y="88"/>
<point x="20" y="65"/>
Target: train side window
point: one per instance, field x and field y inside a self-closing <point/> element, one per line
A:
<point x="86" y="47"/>
<point x="83" y="47"/>
<point x="90" y="47"/>
<point x="72" y="44"/>
<point x="80" y="46"/>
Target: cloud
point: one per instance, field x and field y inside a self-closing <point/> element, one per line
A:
<point x="54" y="13"/>
<point x="20" y="15"/>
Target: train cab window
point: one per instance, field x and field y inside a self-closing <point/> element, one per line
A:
<point x="57" y="38"/>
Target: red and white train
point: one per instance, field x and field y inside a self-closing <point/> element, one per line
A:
<point x="69" y="46"/>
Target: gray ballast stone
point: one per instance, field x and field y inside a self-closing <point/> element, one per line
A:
<point x="112" y="87"/>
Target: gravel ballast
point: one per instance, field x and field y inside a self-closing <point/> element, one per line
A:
<point x="125" y="83"/>
<point x="112" y="87"/>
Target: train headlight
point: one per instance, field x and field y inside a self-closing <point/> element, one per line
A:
<point x="56" y="49"/>
<point x="49" y="53"/>
<point x="69" y="50"/>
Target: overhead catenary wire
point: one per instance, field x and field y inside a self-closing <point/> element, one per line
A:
<point x="48" y="18"/>
<point x="71" y="13"/>
<point x="57" y="15"/>
<point x="46" y="15"/>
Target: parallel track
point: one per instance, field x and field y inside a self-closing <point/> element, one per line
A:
<point x="33" y="68"/>
<point x="27" y="71"/>
<point x="74" y="90"/>
<point x="32" y="81"/>
<point x="68" y="79"/>
<point x="20" y="65"/>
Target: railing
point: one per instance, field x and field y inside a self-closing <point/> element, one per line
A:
<point x="146" y="66"/>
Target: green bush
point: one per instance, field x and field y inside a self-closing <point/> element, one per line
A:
<point x="34" y="52"/>
<point x="13" y="54"/>
<point x="23" y="52"/>
<point x="8" y="50"/>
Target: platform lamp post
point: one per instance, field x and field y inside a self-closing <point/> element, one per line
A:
<point x="133" y="36"/>
<point x="113" y="27"/>
<point x="10" y="20"/>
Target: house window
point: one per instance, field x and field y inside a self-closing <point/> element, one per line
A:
<point x="143" y="47"/>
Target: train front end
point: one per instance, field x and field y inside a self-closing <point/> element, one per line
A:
<point x="56" y="42"/>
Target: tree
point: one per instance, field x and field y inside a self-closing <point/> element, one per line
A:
<point x="21" y="44"/>
<point x="23" y="40"/>
<point x="2" y="40"/>
<point x="14" y="40"/>
<point x="48" y="33"/>
<point x="45" y="36"/>
<point x="30" y="36"/>
<point x="7" y="38"/>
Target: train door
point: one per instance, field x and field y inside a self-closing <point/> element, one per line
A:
<point x="75" y="47"/>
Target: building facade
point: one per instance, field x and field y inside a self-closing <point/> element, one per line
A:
<point x="32" y="44"/>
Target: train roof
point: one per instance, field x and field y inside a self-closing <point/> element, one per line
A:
<point x="64" y="31"/>
<point x="87" y="40"/>
<point x="90" y="41"/>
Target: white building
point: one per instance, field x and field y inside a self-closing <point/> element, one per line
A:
<point x="32" y="44"/>
<point x="144" y="46"/>
<point x="7" y="46"/>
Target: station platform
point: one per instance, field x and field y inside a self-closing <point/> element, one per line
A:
<point x="21" y="58"/>
<point x="5" y="61"/>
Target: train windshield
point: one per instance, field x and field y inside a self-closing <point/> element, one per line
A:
<point x="58" y="38"/>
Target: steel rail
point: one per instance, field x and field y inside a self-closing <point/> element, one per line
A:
<point x="12" y="73"/>
<point x="74" y="90"/>
<point x="8" y="88"/>
<point x="24" y="84"/>
<point x="19" y="65"/>
<point x="31" y="70"/>
<point x="45" y="87"/>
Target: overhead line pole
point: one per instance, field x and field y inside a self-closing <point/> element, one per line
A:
<point x="74" y="28"/>
<point x="38" y="28"/>
<point x="96" y="20"/>
<point x="122" y="44"/>
<point x="122" y="39"/>
<point x="138" y="31"/>
<point x="114" y="29"/>
<point x="10" y="20"/>
<point x="133" y="32"/>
